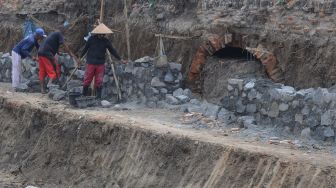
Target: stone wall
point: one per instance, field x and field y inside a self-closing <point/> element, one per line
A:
<point x="308" y="110"/>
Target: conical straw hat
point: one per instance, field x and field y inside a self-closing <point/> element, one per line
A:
<point x="102" y="29"/>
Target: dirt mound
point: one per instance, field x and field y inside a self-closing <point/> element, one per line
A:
<point x="55" y="146"/>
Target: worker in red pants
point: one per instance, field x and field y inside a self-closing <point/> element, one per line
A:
<point x="47" y="57"/>
<point x="96" y="48"/>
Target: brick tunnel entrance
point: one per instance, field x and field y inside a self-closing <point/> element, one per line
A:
<point x="234" y="53"/>
<point x="221" y="50"/>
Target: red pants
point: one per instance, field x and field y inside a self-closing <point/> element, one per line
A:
<point x="96" y="71"/>
<point x="47" y="68"/>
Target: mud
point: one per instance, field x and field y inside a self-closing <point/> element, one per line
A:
<point x="47" y="144"/>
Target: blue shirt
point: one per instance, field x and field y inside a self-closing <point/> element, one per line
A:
<point x="25" y="46"/>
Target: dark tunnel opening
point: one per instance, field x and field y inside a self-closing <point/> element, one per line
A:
<point x="234" y="53"/>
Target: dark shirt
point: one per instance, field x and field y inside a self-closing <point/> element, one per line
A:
<point x="96" y="50"/>
<point x="25" y="46"/>
<point x="50" y="46"/>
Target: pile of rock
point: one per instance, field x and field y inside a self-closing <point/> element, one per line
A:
<point x="141" y="81"/>
<point x="5" y="67"/>
<point x="308" y="110"/>
<point x="30" y="69"/>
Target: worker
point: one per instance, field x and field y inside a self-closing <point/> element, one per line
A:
<point x="96" y="48"/>
<point x="21" y="51"/>
<point x="46" y="56"/>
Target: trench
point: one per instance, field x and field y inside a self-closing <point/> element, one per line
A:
<point x="53" y="148"/>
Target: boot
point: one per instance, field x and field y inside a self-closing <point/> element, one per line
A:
<point x="86" y="91"/>
<point x="43" y="88"/>
<point x="99" y="92"/>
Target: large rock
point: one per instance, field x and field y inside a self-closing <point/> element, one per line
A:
<point x="183" y="99"/>
<point x="210" y="110"/>
<point x="226" y="116"/>
<point x="178" y="92"/>
<point x="274" y="110"/>
<point x="172" y="100"/>
<point x="237" y="82"/>
<point x="169" y="78"/>
<point x="157" y="83"/>
<point x="327" y="118"/>
<point x="175" y="66"/>
<point x="145" y="59"/>
<point x="57" y="94"/>
<point x="80" y="74"/>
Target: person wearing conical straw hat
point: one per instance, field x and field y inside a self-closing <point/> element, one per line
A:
<point x="95" y="48"/>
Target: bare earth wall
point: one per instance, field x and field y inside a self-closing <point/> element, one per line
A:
<point x="300" y="33"/>
<point x="111" y="151"/>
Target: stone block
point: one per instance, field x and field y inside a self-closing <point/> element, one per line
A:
<point x="299" y="118"/>
<point x="226" y="116"/>
<point x="178" y="92"/>
<point x="172" y="100"/>
<point x="252" y="95"/>
<point x="183" y="99"/>
<point x="238" y="82"/>
<point x="240" y="107"/>
<point x="106" y="104"/>
<point x="251" y="108"/>
<point x="175" y="66"/>
<point x="274" y="110"/>
<point x="328" y="132"/>
<point x="250" y="85"/>
<point x="188" y="93"/>
<point x="195" y="102"/>
<point x="327" y="118"/>
<point x="169" y="78"/>
<point x="283" y="107"/>
<point x="210" y="110"/>
<point x="157" y="83"/>
<point x="306" y="133"/>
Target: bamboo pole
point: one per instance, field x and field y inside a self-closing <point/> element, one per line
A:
<point x="127" y="31"/>
<point x="102" y="5"/>
<point x="114" y="75"/>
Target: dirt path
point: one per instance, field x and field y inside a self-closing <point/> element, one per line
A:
<point x="51" y="142"/>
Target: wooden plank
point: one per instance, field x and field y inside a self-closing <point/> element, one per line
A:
<point x="175" y="37"/>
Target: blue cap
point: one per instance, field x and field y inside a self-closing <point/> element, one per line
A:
<point x="40" y="32"/>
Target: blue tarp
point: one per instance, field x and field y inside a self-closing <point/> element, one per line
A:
<point x="28" y="28"/>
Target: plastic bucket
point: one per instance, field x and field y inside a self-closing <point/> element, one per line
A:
<point x="72" y="98"/>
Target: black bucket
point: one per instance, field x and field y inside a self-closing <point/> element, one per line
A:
<point x="72" y="98"/>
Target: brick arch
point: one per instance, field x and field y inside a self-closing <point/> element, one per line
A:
<point x="215" y="42"/>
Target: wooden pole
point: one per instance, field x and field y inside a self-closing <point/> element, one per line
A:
<point x="102" y="5"/>
<point x="127" y="31"/>
<point x="114" y="75"/>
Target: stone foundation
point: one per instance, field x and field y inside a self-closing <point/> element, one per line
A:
<point x="307" y="110"/>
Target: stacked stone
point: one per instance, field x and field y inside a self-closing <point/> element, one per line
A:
<point x="311" y="110"/>
<point x="5" y="68"/>
<point x="141" y="81"/>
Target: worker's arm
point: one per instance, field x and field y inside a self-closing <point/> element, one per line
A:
<point x="112" y="50"/>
